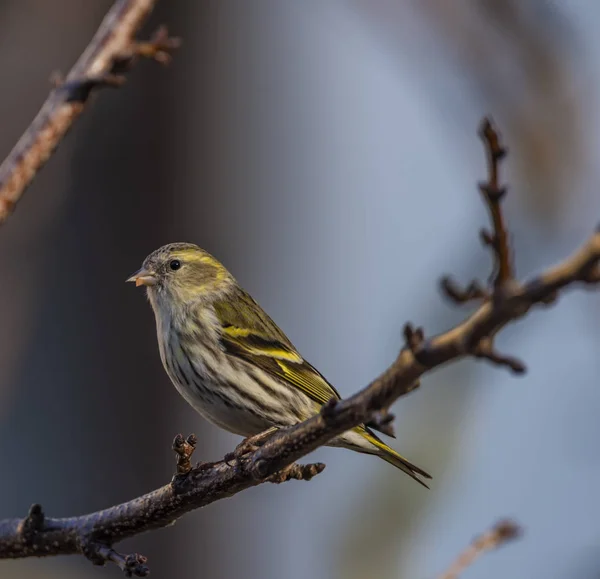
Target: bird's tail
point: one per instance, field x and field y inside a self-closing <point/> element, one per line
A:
<point x="390" y="455"/>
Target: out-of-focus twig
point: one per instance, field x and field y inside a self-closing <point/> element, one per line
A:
<point x="505" y="301"/>
<point x="111" y="52"/>
<point x="495" y="537"/>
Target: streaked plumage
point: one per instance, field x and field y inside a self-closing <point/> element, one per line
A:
<point x="229" y="360"/>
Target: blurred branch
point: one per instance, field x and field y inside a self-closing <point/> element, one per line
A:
<point x="498" y="535"/>
<point x="111" y="52"/>
<point x="504" y="301"/>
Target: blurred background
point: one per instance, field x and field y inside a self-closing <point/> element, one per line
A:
<point x="326" y="152"/>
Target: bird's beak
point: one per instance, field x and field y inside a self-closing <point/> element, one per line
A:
<point x="143" y="277"/>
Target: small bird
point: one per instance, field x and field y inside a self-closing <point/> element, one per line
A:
<point x="229" y="360"/>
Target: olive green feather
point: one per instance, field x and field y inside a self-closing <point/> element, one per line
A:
<point x="258" y="340"/>
<point x="249" y="334"/>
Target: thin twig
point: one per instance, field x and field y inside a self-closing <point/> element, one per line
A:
<point x="502" y="280"/>
<point x="131" y="565"/>
<point x="111" y="52"/>
<point x="473" y="292"/>
<point x="495" y="537"/>
<point x="493" y="194"/>
<point x="504" y="303"/>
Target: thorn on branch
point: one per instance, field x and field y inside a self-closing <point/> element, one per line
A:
<point x="485" y="350"/>
<point x="131" y="565"/>
<point x="32" y="524"/>
<point x="473" y="292"/>
<point x="184" y="449"/>
<point x="297" y="472"/>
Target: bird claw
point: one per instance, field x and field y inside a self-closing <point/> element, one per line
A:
<point x="248" y="446"/>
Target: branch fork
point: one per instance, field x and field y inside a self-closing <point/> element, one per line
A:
<point x="100" y="554"/>
<point x="111" y="53"/>
<point x="502" y="280"/>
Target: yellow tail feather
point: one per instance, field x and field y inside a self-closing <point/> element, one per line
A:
<point x="390" y="455"/>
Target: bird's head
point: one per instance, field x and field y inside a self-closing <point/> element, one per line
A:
<point x="181" y="273"/>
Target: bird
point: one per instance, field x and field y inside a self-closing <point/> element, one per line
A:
<point x="230" y="361"/>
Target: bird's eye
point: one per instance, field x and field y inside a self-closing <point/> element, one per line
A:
<point x="175" y="264"/>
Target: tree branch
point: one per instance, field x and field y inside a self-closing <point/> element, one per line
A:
<point x="495" y="537"/>
<point x="111" y="52"/>
<point x="505" y="301"/>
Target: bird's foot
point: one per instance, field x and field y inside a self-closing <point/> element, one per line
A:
<point x="248" y="445"/>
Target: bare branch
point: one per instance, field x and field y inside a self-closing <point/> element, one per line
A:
<point x="473" y="292"/>
<point x="493" y="194"/>
<point x="100" y="554"/>
<point x="485" y="349"/>
<point x="94" y="535"/>
<point x="497" y="536"/>
<point x="271" y="456"/>
<point x="111" y="52"/>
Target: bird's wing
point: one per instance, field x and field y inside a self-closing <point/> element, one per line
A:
<point x="249" y="333"/>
